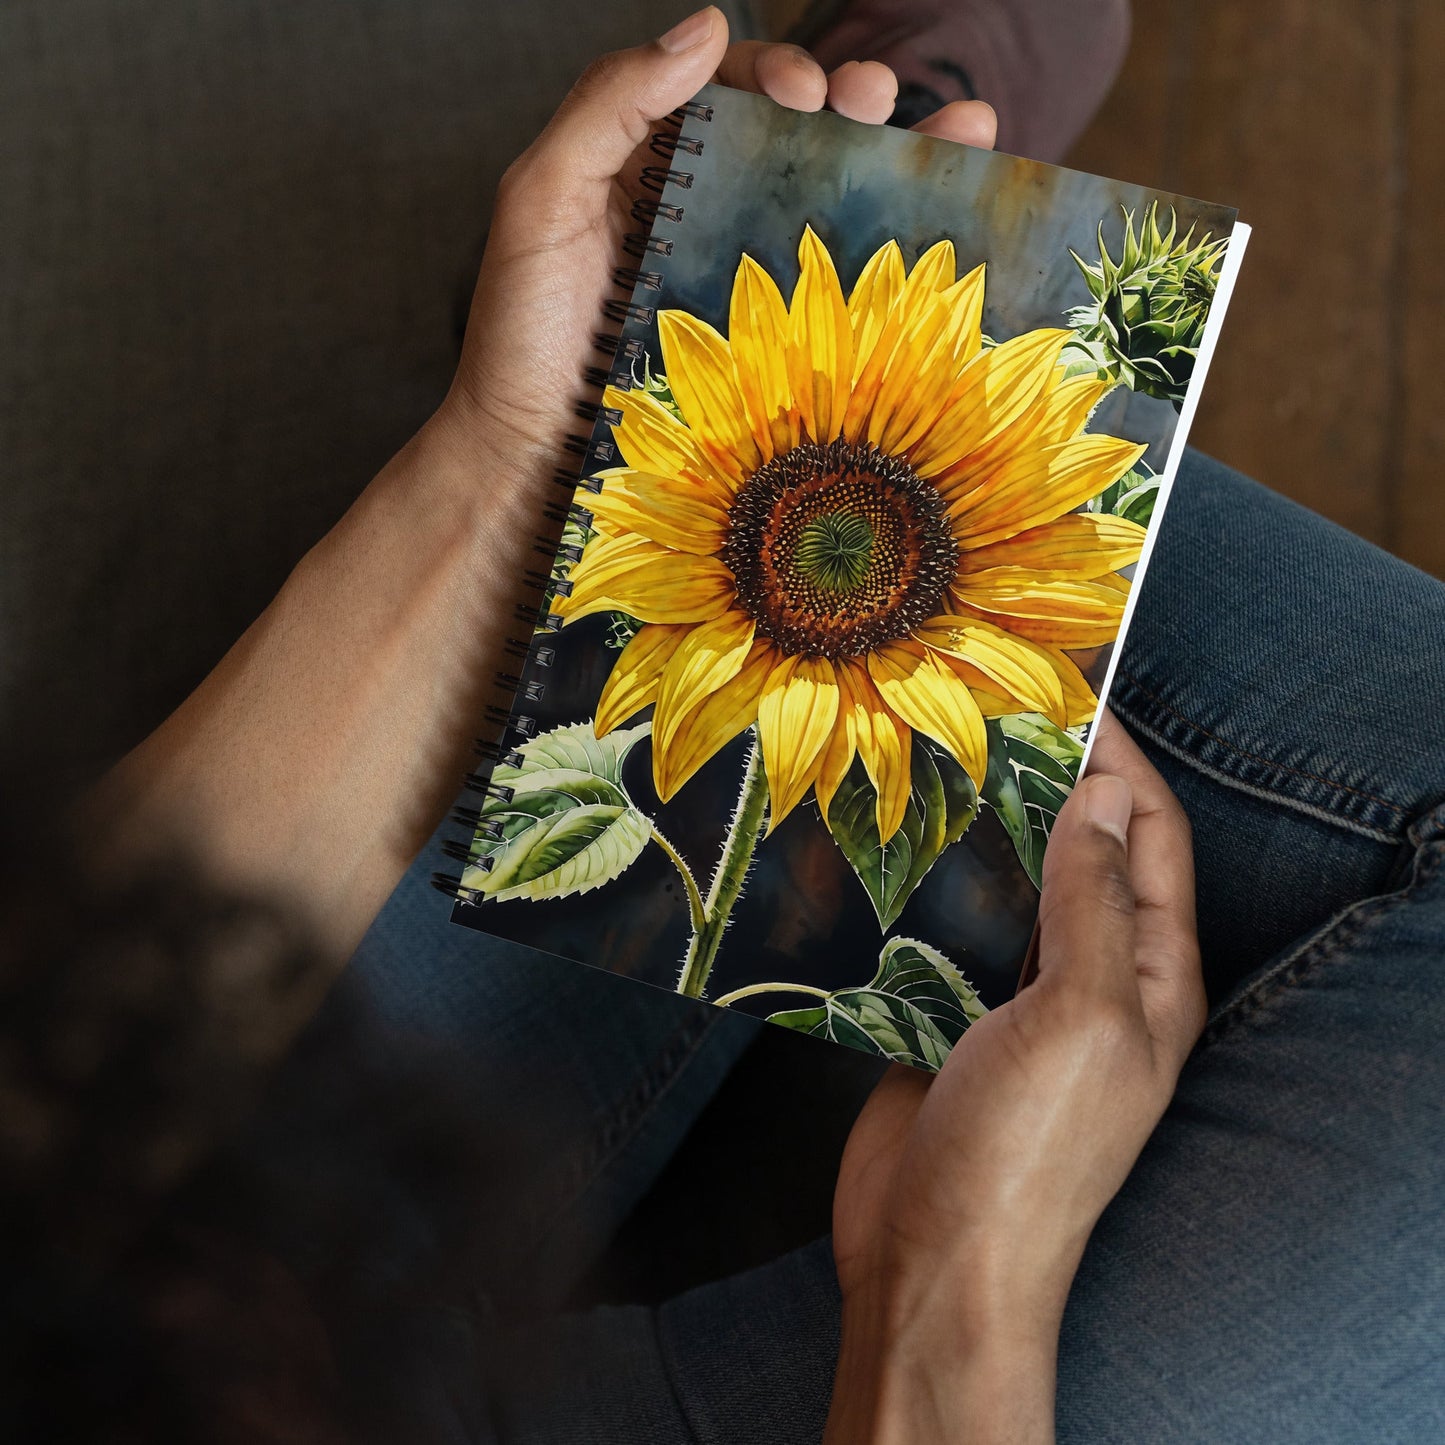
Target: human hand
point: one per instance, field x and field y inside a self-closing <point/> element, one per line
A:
<point x="564" y="207"/>
<point x="964" y="1202"/>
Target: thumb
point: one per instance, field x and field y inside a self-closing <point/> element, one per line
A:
<point x="615" y="103"/>
<point x="1086" y="913"/>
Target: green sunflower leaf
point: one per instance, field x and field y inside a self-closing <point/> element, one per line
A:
<point x="942" y="803"/>
<point x="914" y="1010"/>
<point x="1132" y="497"/>
<point x="656" y="385"/>
<point x="575" y="746"/>
<point x="1137" y="504"/>
<point x="569" y="825"/>
<point x="1084" y="358"/>
<point x="621" y="629"/>
<point x="1032" y="768"/>
<point x="913" y="970"/>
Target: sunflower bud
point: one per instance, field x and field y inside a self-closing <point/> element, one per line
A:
<point x="1145" y="323"/>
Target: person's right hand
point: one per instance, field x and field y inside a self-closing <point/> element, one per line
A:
<point x="565" y="206"/>
<point x="964" y="1202"/>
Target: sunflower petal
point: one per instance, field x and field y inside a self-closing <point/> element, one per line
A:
<point x="946" y="335"/>
<point x="675" y="511"/>
<point x="1011" y="664"/>
<point x="632" y="683"/>
<point x="909" y="330"/>
<point x="796" y="714"/>
<point x="877" y="290"/>
<point x="1056" y="416"/>
<point x="935" y="269"/>
<point x="820" y="342"/>
<point x="1080" y="703"/>
<point x="1038" y="487"/>
<point x="711" y="655"/>
<point x="932" y="699"/>
<point x="699" y="367"/>
<point x="1070" y="636"/>
<point x="758" y="337"/>
<point x="838" y="754"/>
<point x="1068" y="406"/>
<point x="650" y="582"/>
<point x="996" y="388"/>
<point x="1081" y="545"/>
<point x="885" y="744"/>
<point x="713" y="723"/>
<point x="652" y="440"/>
<point x="991" y="701"/>
<point x="1064" y="613"/>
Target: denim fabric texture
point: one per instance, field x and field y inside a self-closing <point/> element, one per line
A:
<point x="606" y="1074"/>
<point x="1274" y="1268"/>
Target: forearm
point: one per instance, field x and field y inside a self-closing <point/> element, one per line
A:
<point x="959" y="1373"/>
<point x="319" y="755"/>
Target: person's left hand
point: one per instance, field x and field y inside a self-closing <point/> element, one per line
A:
<point x="965" y="1201"/>
<point x="564" y="207"/>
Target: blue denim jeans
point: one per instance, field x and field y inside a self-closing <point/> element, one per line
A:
<point x="1274" y="1268"/>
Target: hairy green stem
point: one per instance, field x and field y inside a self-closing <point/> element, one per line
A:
<point x="694" y="898"/>
<point x="753" y="988"/>
<point x="727" y="882"/>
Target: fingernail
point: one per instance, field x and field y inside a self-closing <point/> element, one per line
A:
<point x="1108" y="804"/>
<point x="687" y="33"/>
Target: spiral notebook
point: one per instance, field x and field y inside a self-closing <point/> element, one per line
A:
<point x="888" y="429"/>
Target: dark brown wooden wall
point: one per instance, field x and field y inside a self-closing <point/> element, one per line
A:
<point x="1324" y="122"/>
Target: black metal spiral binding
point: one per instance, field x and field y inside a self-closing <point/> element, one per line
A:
<point x="657" y="178"/>
<point x="594" y="411"/>
<point x="602" y="376"/>
<point x="623" y="311"/>
<point x="634" y="279"/>
<point x="624" y="352"/>
<point x="667" y="145"/>
<point x="639" y="245"/>
<point x="645" y="212"/>
<point x="584" y="446"/>
<point x="573" y="512"/>
<point x="620" y="346"/>
<point x="531" y="653"/>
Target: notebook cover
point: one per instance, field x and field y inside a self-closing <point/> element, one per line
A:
<point x="892" y="427"/>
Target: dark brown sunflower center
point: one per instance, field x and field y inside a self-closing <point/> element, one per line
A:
<point x="838" y="549"/>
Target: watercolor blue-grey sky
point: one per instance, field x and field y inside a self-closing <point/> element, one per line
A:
<point x="764" y="172"/>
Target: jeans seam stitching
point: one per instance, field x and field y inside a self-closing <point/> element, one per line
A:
<point x="1258" y="758"/>
<point x="1326" y="944"/>
<point x="626" y="1117"/>
<point x="669" y="1370"/>
<point x="1250" y="790"/>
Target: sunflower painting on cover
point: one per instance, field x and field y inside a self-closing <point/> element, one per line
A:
<point x="863" y="550"/>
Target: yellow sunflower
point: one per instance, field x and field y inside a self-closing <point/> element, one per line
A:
<point x="862" y="526"/>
